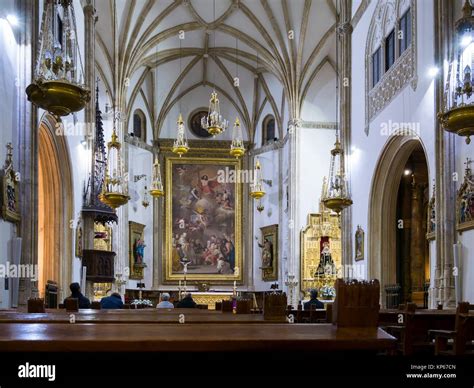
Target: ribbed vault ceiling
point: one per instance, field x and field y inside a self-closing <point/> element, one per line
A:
<point x="138" y="53"/>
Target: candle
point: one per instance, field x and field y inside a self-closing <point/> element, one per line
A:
<point x="235" y="284"/>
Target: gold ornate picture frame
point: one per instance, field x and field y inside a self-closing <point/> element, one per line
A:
<point x="10" y="189"/>
<point x="136" y="246"/>
<point x="269" y="253"/>
<point x="203" y="219"/>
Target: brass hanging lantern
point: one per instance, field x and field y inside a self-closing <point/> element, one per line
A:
<point x="156" y="184"/>
<point x="237" y="147"/>
<point x="256" y="188"/>
<point x="115" y="188"/>
<point x="57" y="82"/>
<point x="180" y="145"/>
<point x="458" y="111"/>
<point x="213" y="122"/>
<point x="336" y="196"/>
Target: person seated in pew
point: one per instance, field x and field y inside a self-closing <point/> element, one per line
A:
<point x="187" y="302"/>
<point x="75" y="288"/>
<point x="313" y="301"/>
<point x="113" y="301"/>
<point x="165" y="302"/>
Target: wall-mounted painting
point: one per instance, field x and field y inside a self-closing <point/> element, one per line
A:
<point x="431" y="215"/>
<point x="136" y="250"/>
<point x="359" y="243"/>
<point x="203" y="228"/>
<point x="269" y="255"/>
<point x="10" y="189"/>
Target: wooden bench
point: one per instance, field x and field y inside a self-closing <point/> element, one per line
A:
<point x="411" y="327"/>
<point x="460" y="340"/>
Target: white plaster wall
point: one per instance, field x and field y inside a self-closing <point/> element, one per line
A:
<point x="8" y="74"/>
<point x="269" y="216"/>
<point x="416" y="106"/>
<point x="140" y="162"/>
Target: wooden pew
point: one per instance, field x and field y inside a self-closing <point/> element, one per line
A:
<point x="411" y="327"/>
<point x="176" y="337"/>
<point x="460" y="338"/>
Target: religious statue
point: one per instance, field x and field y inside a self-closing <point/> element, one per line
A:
<point x="139" y="252"/>
<point x="326" y="264"/>
<point x="267" y="253"/>
<point x="465" y="200"/>
<point x="359" y="243"/>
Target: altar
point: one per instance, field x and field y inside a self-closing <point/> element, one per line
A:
<point x="210" y="298"/>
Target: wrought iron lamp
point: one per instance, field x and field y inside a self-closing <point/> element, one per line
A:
<point x="180" y="146"/>
<point x="458" y="111"/>
<point x="156" y="184"/>
<point x="115" y="187"/>
<point x="237" y="147"/>
<point x="57" y="84"/>
<point x="256" y="188"/>
<point x="213" y="122"/>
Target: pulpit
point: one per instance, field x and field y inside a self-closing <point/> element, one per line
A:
<point x="100" y="265"/>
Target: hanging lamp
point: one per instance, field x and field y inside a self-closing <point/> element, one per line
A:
<point x="458" y="105"/>
<point x="256" y="189"/>
<point x="156" y="184"/>
<point x="57" y="81"/>
<point x="115" y="188"/>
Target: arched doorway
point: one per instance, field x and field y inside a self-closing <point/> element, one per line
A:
<point x="55" y="199"/>
<point x="384" y="242"/>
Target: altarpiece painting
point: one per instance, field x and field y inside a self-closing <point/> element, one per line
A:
<point x="203" y="219"/>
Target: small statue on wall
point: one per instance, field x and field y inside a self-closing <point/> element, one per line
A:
<point x="359" y="243"/>
<point x="269" y="257"/>
<point x="10" y="209"/>
<point x="326" y="264"/>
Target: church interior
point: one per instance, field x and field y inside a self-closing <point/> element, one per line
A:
<point x="189" y="177"/>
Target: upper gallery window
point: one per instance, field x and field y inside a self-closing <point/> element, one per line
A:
<point x="404" y="28"/>
<point x="388" y="49"/>
<point x="268" y="129"/>
<point x="139" y="125"/>
<point x="376" y="73"/>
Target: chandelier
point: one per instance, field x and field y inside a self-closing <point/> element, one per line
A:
<point x="458" y="114"/>
<point x="180" y="145"/>
<point x="256" y="188"/>
<point x="237" y="147"/>
<point x="57" y="81"/>
<point x="336" y="196"/>
<point x="156" y="184"/>
<point x="213" y="122"/>
<point x="115" y="188"/>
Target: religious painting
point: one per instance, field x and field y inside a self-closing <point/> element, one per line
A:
<point x="269" y="253"/>
<point x="431" y="217"/>
<point x="136" y="250"/>
<point x="465" y="201"/>
<point x="359" y="243"/>
<point x="79" y="240"/>
<point x="195" y="123"/>
<point x="203" y="219"/>
<point x="10" y="189"/>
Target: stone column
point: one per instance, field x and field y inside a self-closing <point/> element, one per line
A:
<point x="293" y="263"/>
<point x="27" y="142"/>
<point x="445" y="167"/>
<point x="89" y="110"/>
<point x="344" y="32"/>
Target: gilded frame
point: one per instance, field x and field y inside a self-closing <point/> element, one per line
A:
<point x="135" y="231"/>
<point x="267" y="231"/>
<point x="170" y="161"/>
